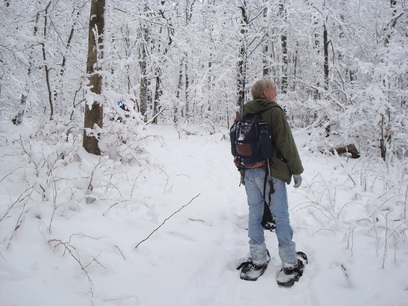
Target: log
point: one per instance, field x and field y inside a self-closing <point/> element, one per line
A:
<point x="346" y="149"/>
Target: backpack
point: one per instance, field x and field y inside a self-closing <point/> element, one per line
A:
<point x="251" y="142"/>
<point x="251" y="146"/>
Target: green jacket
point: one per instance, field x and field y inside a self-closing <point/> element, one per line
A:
<point x="285" y="161"/>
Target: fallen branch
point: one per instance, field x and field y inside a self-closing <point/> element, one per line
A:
<point x="157" y="228"/>
<point x="347" y="149"/>
<point x="155" y="116"/>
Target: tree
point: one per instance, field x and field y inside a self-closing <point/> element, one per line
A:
<point x="242" y="63"/>
<point x="46" y="68"/>
<point x="284" y="44"/>
<point x="94" y="112"/>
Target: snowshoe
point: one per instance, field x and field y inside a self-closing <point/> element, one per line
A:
<point x="289" y="275"/>
<point x="302" y="257"/>
<point x="251" y="271"/>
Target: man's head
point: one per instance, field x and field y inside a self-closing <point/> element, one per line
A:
<point x="264" y="89"/>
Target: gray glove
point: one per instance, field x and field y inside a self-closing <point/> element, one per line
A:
<point x="298" y="180"/>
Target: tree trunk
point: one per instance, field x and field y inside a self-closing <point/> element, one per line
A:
<point x="326" y="58"/>
<point x="157" y="94"/>
<point x="46" y="68"/>
<point x="241" y="77"/>
<point x="186" y="88"/>
<point x="18" y="119"/>
<point x="59" y="89"/>
<point x="265" y="61"/>
<point x="242" y="64"/>
<point x="393" y="22"/>
<point x="178" y="95"/>
<point x="94" y="114"/>
<point x="316" y="47"/>
<point x="284" y="45"/>
<point x="295" y="66"/>
<point x="144" y="82"/>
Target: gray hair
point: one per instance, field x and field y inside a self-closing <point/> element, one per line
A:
<point x="259" y="86"/>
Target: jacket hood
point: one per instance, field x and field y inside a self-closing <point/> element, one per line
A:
<point x="258" y="105"/>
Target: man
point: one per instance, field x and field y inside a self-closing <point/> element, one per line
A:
<point x="284" y="164"/>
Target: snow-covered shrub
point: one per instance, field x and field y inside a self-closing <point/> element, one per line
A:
<point x="122" y="137"/>
<point x="362" y="198"/>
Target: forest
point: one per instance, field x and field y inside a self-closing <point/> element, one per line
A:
<point x="340" y="66"/>
<point x="116" y="178"/>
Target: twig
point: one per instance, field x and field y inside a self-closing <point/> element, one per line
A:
<point x="134" y="183"/>
<point x="9" y="174"/>
<point x="350" y="241"/>
<point x="341" y="164"/>
<point x="21" y="198"/>
<point x="70" y="248"/>
<point x="95" y="259"/>
<point x="196" y="220"/>
<point x="18" y="223"/>
<point x="386" y="240"/>
<point x="90" y="187"/>
<point x="344" y="269"/>
<point x="157" y="228"/>
<point x="120" y="252"/>
<point x="405" y="206"/>
<point x="55" y="205"/>
<point x="324" y="229"/>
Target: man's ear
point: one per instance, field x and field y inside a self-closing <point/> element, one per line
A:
<point x="265" y="94"/>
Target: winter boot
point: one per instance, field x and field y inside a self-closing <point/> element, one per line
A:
<point x="289" y="275"/>
<point x="251" y="271"/>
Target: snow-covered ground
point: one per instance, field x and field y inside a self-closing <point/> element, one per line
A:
<point x="171" y="228"/>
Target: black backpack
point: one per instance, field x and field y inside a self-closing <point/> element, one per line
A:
<point x="251" y="146"/>
<point x="251" y="142"/>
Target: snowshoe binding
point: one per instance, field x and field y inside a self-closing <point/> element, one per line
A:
<point x="289" y="275"/>
<point x="251" y="271"/>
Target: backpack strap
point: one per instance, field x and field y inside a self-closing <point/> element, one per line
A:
<point x="268" y="220"/>
<point x="270" y="181"/>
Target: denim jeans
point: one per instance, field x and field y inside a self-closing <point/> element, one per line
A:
<point x="254" y="186"/>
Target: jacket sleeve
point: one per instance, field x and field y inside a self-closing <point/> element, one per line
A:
<point x="284" y="142"/>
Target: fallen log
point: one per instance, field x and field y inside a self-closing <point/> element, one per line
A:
<point x="351" y="149"/>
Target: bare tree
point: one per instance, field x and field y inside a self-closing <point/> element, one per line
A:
<point x="46" y="67"/>
<point x="284" y="44"/>
<point x="326" y="56"/>
<point x="242" y="63"/>
<point x="94" y="114"/>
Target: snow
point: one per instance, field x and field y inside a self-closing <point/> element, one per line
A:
<point x="62" y="243"/>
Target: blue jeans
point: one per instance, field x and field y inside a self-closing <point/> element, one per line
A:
<point x="254" y="186"/>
